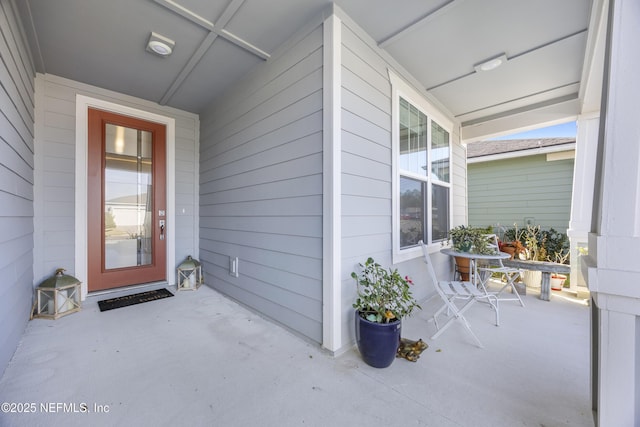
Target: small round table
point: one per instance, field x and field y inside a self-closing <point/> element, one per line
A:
<point x="474" y="257"/>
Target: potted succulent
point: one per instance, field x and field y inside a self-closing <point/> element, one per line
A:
<point x="384" y="298"/>
<point x="536" y="244"/>
<point x="468" y="239"/>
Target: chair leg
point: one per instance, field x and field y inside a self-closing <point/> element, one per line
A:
<point x="466" y="325"/>
<point x="511" y="283"/>
<point x="495" y="307"/>
<point x="457" y="315"/>
<point x="515" y="291"/>
<point x="461" y="317"/>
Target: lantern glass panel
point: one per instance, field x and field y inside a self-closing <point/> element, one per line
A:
<point x="189" y="274"/>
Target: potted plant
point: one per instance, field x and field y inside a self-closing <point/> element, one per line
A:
<point x="557" y="281"/>
<point x="384" y="298"/>
<point x="468" y="239"/>
<point x="511" y="242"/>
<point x="539" y="245"/>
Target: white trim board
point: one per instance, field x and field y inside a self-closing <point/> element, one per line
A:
<point x="83" y="103"/>
<point x="332" y="190"/>
<point x="400" y="88"/>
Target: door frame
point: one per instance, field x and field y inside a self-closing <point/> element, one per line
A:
<point x="83" y="103"/>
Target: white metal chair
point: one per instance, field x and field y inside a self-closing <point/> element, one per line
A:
<point x="450" y="292"/>
<point x="496" y="266"/>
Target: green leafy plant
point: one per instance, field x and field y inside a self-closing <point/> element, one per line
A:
<point x="470" y="239"/>
<point x="541" y="245"/>
<point x="534" y="242"/>
<point x="383" y="294"/>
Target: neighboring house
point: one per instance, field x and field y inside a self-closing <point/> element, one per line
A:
<point x="311" y="156"/>
<point x="523" y="182"/>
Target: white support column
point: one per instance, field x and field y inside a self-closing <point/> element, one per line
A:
<point x="582" y="194"/>
<point x="332" y="189"/>
<point x="614" y="367"/>
<point x="613" y="271"/>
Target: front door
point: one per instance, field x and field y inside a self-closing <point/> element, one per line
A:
<point x="126" y="201"/>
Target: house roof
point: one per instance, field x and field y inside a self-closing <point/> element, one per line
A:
<point x="518" y="147"/>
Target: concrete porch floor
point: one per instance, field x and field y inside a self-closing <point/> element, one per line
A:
<point x="200" y="359"/>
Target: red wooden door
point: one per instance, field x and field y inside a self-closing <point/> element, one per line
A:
<point x="126" y="201"/>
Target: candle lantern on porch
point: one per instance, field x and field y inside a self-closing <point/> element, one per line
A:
<point x="189" y="274"/>
<point x="57" y="296"/>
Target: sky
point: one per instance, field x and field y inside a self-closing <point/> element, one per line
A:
<point x="562" y="130"/>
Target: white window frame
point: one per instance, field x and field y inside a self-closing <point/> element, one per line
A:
<point x="401" y="89"/>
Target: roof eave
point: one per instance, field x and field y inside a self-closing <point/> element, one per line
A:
<point x="523" y="153"/>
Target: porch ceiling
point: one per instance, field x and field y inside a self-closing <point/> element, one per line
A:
<point x="549" y="45"/>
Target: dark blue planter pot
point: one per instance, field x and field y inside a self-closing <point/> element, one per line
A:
<point x="377" y="342"/>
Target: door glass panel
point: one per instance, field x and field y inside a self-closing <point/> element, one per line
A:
<point x="128" y="206"/>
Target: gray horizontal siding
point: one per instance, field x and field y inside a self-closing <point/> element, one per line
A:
<point x="508" y="191"/>
<point x="16" y="182"/>
<point x="261" y="188"/>
<point x="55" y="172"/>
<point x="366" y="163"/>
<point x="367" y="167"/>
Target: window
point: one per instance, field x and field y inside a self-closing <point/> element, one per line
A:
<point x="422" y="172"/>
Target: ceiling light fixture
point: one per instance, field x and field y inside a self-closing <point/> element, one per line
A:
<point x="491" y="64"/>
<point x="160" y="45"/>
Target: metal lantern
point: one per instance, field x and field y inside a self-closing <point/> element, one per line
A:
<point x="189" y="274"/>
<point x="57" y="296"/>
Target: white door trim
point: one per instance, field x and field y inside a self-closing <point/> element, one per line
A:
<point x="83" y="103"/>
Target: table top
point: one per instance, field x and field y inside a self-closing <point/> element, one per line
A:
<point x="497" y="255"/>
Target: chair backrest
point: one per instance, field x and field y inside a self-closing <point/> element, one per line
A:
<point x="492" y="242"/>
<point x="427" y="260"/>
<point x="495" y="247"/>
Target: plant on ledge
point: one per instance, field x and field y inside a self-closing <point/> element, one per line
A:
<point x="539" y="244"/>
<point x="470" y="239"/>
<point x="383" y="295"/>
<point x="513" y="244"/>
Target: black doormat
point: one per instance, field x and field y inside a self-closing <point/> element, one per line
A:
<point x="110" y="304"/>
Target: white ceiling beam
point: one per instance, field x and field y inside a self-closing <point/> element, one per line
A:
<point x="244" y="44"/>
<point x="218" y="27"/>
<point x="523" y="109"/>
<point x="542" y="115"/>
<point x="592" y="70"/>
<point x="189" y="66"/>
<point x="513" y="57"/>
<point x="215" y="30"/>
<point x="430" y="16"/>
<point x="531" y="100"/>
<point x="186" y="13"/>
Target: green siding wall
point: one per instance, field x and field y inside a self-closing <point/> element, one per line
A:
<point x="504" y="192"/>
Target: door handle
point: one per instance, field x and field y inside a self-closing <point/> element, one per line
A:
<point x="162" y="229"/>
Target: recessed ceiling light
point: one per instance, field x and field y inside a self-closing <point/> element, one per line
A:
<point x="491" y="64"/>
<point x="160" y="48"/>
<point x="160" y="45"/>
